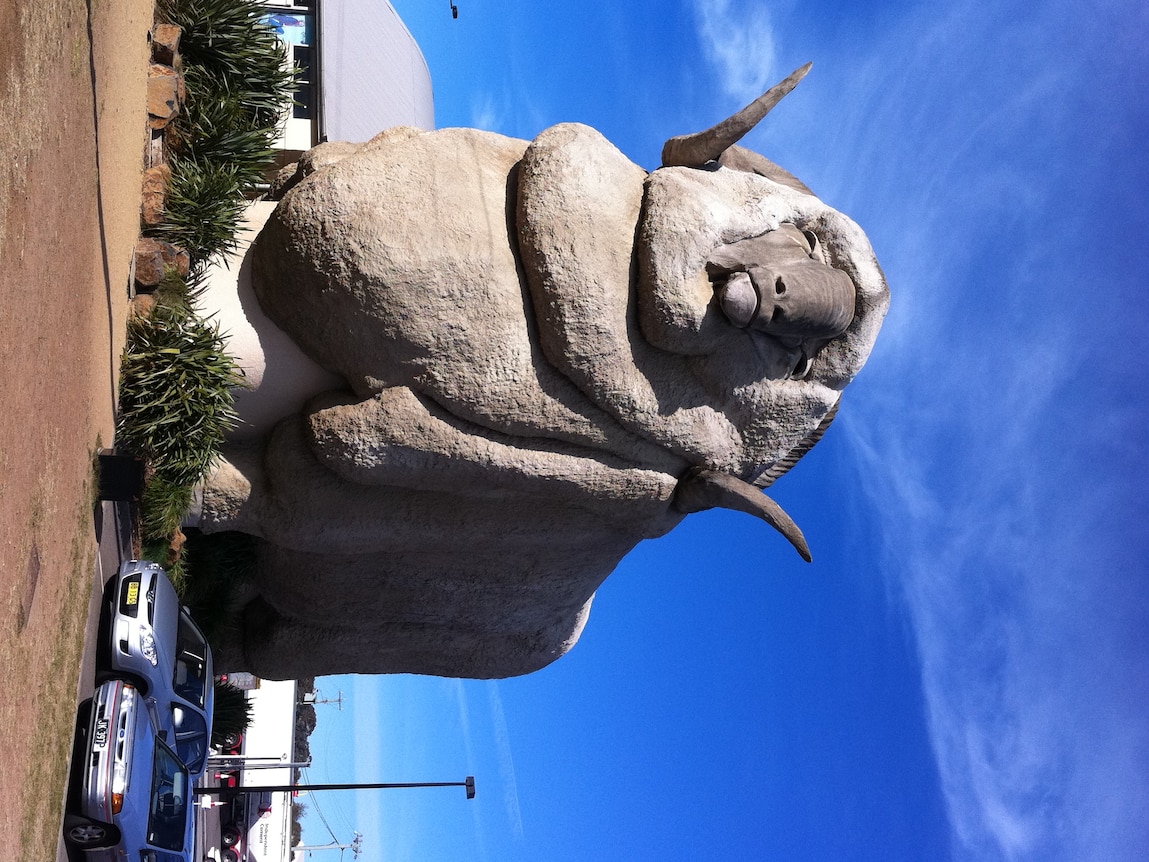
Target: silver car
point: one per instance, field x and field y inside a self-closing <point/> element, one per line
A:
<point x="130" y="795"/>
<point x="149" y="640"/>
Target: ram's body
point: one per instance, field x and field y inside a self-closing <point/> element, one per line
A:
<point x="539" y="371"/>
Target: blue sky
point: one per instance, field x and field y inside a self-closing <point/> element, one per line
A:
<point x="963" y="672"/>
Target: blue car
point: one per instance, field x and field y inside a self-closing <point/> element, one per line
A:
<point x="131" y="795"/>
<point x="148" y="639"/>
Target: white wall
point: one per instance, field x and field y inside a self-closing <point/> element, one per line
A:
<point x="271" y="734"/>
<point x="373" y="73"/>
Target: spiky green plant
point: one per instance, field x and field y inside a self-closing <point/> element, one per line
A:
<point x="175" y="394"/>
<point x="163" y="506"/>
<point x="214" y="565"/>
<point x="229" y="36"/>
<point x="224" y="125"/>
<point x="231" y="715"/>
<point x="239" y="92"/>
<point x="176" y="403"/>
<point x="204" y="206"/>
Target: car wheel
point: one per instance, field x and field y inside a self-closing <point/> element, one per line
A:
<point x="229" y="836"/>
<point x="230" y="741"/>
<point x="229" y="855"/>
<point x="87" y="834"/>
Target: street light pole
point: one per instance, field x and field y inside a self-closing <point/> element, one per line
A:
<point x="469" y="784"/>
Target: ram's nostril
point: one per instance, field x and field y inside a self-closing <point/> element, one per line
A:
<point x="779" y="286"/>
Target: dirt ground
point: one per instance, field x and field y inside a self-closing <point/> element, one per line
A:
<point x="72" y="99"/>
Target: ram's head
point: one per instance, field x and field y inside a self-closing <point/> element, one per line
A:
<point x="550" y="355"/>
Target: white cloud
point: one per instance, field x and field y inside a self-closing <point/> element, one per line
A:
<point x="1024" y="693"/>
<point x="486" y="114"/>
<point x="990" y="445"/>
<point x="738" y="42"/>
<point x="506" y="760"/>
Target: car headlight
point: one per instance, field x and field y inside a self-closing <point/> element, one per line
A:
<point x="119" y="785"/>
<point x="148" y="647"/>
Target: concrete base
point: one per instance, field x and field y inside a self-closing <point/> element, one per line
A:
<point x="280" y="378"/>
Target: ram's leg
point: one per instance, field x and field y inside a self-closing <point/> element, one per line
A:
<point x="478" y="614"/>
<point x="278" y="647"/>
<point x="388" y="473"/>
<point x="402" y="439"/>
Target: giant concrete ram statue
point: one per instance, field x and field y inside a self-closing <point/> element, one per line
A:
<point x="549" y="354"/>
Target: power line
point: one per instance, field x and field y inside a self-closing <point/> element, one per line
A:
<point x="313" y="801"/>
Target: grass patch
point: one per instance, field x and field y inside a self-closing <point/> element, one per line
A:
<point x="47" y="766"/>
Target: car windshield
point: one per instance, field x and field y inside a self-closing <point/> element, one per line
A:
<point x="169" y="808"/>
<point x="191" y="737"/>
<point x="190" y="677"/>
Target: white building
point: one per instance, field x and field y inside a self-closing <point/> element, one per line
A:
<point x="360" y="71"/>
<point x="269" y="738"/>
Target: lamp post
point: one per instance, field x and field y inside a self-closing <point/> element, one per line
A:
<point x="469" y="784"/>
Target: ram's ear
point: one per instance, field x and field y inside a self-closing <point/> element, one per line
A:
<point x="795" y="455"/>
<point x="741" y="159"/>
<point x="693" y="151"/>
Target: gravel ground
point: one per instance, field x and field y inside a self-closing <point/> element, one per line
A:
<point x="72" y="95"/>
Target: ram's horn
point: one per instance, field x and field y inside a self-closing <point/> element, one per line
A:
<point x="708" y="489"/>
<point x="695" y="150"/>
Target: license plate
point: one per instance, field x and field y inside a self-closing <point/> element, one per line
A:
<point x="100" y="738"/>
<point x="133" y="596"/>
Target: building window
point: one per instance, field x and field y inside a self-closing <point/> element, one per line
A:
<point x="297" y="30"/>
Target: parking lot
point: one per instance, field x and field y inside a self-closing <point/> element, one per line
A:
<point x="113" y="530"/>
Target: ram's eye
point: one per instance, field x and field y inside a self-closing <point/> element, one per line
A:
<point x="816" y="251"/>
<point x="802" y="368"/>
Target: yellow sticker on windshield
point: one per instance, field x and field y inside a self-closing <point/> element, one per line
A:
<point x="133" y="595"/>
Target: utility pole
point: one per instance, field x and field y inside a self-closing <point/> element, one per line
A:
<point x="355" y="846"/>
<point x="315" y="700"/>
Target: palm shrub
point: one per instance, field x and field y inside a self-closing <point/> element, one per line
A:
<point x="162" y="508"/>
<point x="215" y="564"/>
<point x="175" y="399"/>
<point x="228" y="35"/>
<point x="204" y="206"/>
<point x="239" y="91"/>
<point x="231" y="715"/>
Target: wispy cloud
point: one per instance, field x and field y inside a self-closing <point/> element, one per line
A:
<point x="459" y="688"/>
<point x="487" y="113"/>
<point x="990" y="447"/>
<point x="506" y="760"/>
<point x="738" y="42"/>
